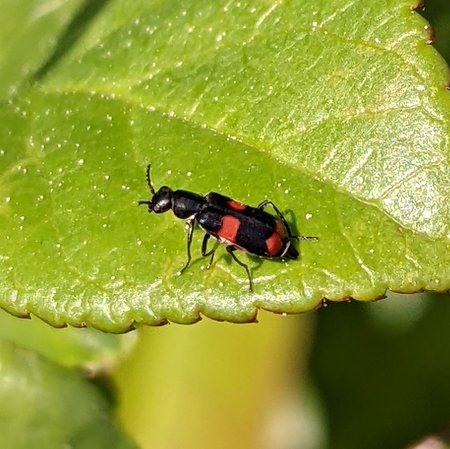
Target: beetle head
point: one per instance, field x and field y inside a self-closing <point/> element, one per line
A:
<point x="161" y="200"/>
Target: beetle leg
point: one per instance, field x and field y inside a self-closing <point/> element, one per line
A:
<point x="291" y="236"/>
<point x="190" y="232"/>
<point x="231" y="249"/>
<point x="266" y="203"/>
<point x="209" y="253"/>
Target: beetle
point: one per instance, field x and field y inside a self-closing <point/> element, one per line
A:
<point x="240" y="227"/>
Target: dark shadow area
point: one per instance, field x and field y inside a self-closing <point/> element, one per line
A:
<point x="437" y="12"/>
<point x="383" y="387"/>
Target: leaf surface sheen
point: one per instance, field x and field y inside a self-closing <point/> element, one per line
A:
<point x="336" y="111"/>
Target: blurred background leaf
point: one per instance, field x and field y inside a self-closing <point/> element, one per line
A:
<point x="45" y="405"/>
<point x="87" y="348"/>
<point x="222" y="385"/>
<point x="383" y="373"/>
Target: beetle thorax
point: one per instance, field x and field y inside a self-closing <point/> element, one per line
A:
<point x="186" y="205"/>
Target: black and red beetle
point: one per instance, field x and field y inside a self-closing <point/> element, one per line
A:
<point x="241" y="227"/>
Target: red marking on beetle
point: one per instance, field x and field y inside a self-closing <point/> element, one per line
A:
<point x="230" y="228"/>
<point x="280" y="229"/>
<point x="236" y="205"/>
<point x="274" y="244"/>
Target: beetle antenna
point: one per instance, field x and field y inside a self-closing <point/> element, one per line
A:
<point x="147" y="177"/>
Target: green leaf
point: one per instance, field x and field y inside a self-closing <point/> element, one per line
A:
<point x="36" y="394"/>
<point x="337" y="112"/>
<point x="28" y="33"/>
<point x="89" y="348"/>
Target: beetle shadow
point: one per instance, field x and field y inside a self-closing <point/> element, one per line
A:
<point x="253" y="264"/>
<point x="222" y="254"/>
<point x="291" y="221"/>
